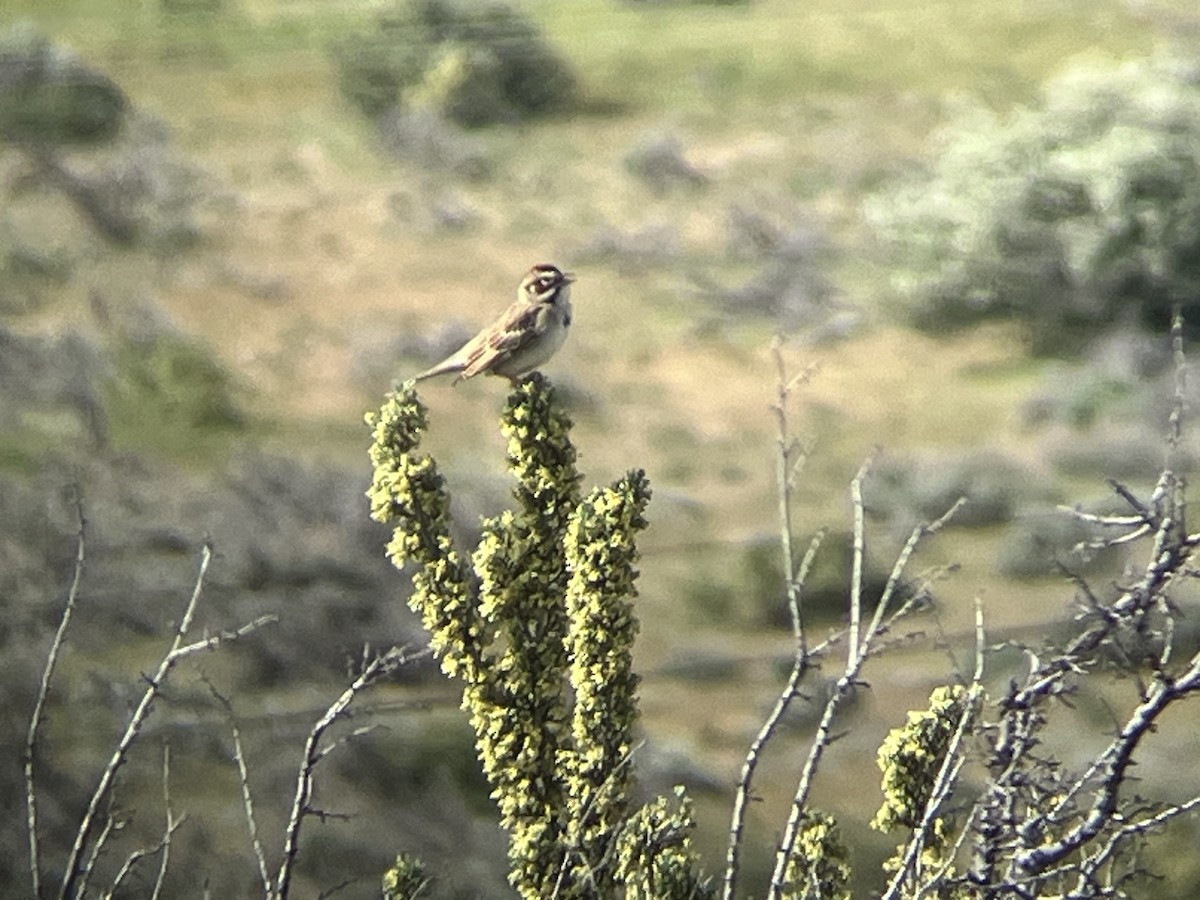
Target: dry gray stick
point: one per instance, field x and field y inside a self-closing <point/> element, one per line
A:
<point x="74" y="882"/>
<point x="856" y="657"/>
<point x="172" y="824"/>
<point x="785" y="471"/>
<point x="163" y="846"/>
<point x="856" y="570"/>
<point x="239" y="757"/>
<point x="844" y="686"/>
<point x="376" y="669"/>
<point x="110" y="825"/>
<point x="39" y="707"/>
<point x="800" y="665"/>
<point x="876" y="626"/>
<point x="1179" y="405"/>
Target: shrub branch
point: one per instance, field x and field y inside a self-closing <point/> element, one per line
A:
<point x="39" y="707"/>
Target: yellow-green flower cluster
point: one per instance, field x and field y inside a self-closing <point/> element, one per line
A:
<point x="405" y="880"/>
<point x="910" y="758"/>
<point x="540" y="453"/>
<point x="408" y="492"/>
<point x="520" y="718"/>
<point x="819" y="868"/>
<point x="541" y="618"/>
<point x="602" y="553"/>
<point x="655" y="859"/>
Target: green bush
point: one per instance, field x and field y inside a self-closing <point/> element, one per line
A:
<point x="1069" y="216"/>
<point x="374" y="66"/>
<point x="462" y="84"/>
<point x="49" y="97"/>
<point x="475" y="64"/>
<point x="172" y="382"/>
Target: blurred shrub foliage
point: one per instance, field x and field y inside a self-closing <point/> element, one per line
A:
<point x="1069" y="216"/>
<point x="173" y="381"/>
<point x="476" y="64"/>
<point x="49" y="97"/>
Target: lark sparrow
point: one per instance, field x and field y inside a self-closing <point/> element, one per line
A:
<point x="527" y="334"/>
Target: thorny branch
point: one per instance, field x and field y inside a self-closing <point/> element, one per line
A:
<point x="1040" y="843"/>
<point x="1033" y="831"/>
<point x="1087" y="871"/>
<point x="375" y="670"/>
<point x="1115" y="762"/>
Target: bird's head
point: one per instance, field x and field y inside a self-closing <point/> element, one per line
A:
<point x="545" y="284"/>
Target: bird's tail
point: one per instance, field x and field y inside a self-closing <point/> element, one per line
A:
<point x="442" y="368"/>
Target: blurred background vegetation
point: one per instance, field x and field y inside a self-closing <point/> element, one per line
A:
<point x="227" y="225"/>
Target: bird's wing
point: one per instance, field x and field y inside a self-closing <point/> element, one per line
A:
<point x="511" y="333"/>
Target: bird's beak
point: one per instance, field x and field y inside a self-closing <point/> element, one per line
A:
<point x="568" y="277"/>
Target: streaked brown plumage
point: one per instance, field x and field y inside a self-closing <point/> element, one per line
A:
<point x="526" y="335"/>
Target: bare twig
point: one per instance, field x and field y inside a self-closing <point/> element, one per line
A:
<point x="787" y="463"/>
<point x="876" y="626"/>
<point x="1179" y="401"/>
<point x="75" y="875"/>
<point x="800" y="666"/>
<point x="785" y="470"/>
<point x="1115" y="761"/>
<point x="39" y="706"/>
<point x="857" y="653"/>
<point x="128" y="866"/>
<point x="212" y="642"/>
<point x="1132" y="499"/>
<point x="1089" y="868"/>
<point x="856" y="570"/>
<point x="821" y="741"/>
<point x="352" y="735"/>
<point x="372" y="672"/>
<point x="172" y="824"/>
<point x="111" y="825"/>
<point x="1106" y="521"/>
<point x="162" y="848"/>
<point x="339" y="887"/>
<point x="239" y="757"/>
